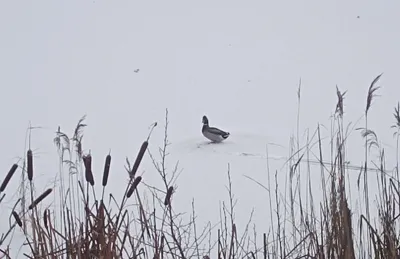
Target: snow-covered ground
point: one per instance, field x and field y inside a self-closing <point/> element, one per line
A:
<point x="123" y="63"/>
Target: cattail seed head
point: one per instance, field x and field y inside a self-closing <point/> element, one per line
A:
<point x="100" y="213"/>
<point x="17" y="218"/>
<point x="30" y="165"/>
<point x="106" y="170"/>
<point x="40" y="198"/>
<point x="133" y="186"/>
<point x="167" y="200"/>
<point x="45" y="218"/>
<point x="8" y="177"/>
<point x="87" y="161"/>
<point x="139" y="158"/>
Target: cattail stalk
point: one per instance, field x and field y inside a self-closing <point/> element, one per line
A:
<point x="8" y="177"/>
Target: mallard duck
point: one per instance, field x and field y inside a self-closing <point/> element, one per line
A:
<point x="213" y="134"/>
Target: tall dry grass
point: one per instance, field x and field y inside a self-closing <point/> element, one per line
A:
<point x="85" y="226"/>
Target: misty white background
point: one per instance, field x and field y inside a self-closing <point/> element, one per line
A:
<point x="238" y="62"/>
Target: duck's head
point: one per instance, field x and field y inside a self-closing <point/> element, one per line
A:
<point x="205" y="120"/>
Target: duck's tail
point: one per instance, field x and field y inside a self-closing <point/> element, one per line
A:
<point x="226" y="135"/>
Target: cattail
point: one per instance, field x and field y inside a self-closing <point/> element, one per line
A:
<point x="30" y="165"/>
<point x="87" y="161"/>
<point x="162" y="243"/>
<point x="40" y="198"/>
<point x="45" y="218"/>
<point x="106" y="170"/>
<point x="168" y="196"/>
<point x="8" y="177"/>
<point x="133" y="186"/>
<point x="100" y="216"/>
<point x="17" y="219"/>
<point x="139" y="158"/>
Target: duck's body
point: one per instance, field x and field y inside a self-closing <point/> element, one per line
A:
<point x="212" y="133"/>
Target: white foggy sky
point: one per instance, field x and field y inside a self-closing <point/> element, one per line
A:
<point x="239" y="62"/>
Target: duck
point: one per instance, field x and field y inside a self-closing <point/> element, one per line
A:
<point x="214" y="134"/>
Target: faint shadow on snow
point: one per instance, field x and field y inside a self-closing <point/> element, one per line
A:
<point x="204" y="174"/>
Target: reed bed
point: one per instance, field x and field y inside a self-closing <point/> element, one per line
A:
<point x="87" y="226"/>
